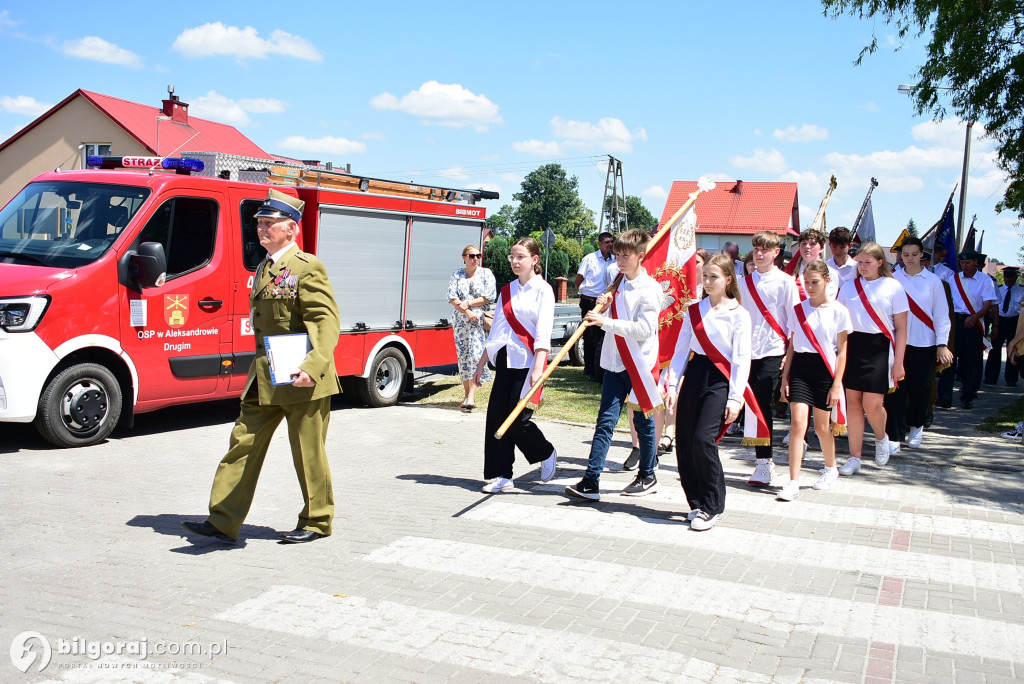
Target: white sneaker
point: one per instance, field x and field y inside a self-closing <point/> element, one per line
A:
<point x="785" y="440"/>
<point x="883" y="449"/>
<point x="916" y="435"/>
<point x="851" y="466"/>
<point x="499" y="485"/>
<point x="691" y="515"/>
<point x="790" y="491"/>
<point x="827" y="479"/>
<point x="763" y="472"/>
<point x="733" y="429"/>
<point x="549" y="467"/>
<point x="1016" y="432"/>
<point x="702" y="521"/>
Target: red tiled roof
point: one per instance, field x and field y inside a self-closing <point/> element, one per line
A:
<point x="140" y="122"/>
<point x="758" y="206"/>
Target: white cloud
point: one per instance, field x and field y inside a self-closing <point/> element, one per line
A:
<point x="219" y="108"/>
<point x="99" y="50"/>
<point x="869" y="106"/>
<point x="758" y="132"/>
<point x="889" y="160"/>
<point x="323" y="146"/>
<point x="372" y="135"/>
<point x="991" y="182"/>
<point x="719" y="177"/>
<point x="539" y="148"/>
<point x="214" y="39"/>
<point x="457" y="172"/>
<point x="903" y="183"/>
<point x="806" y="179"/>
<point x="805" y="133"/>
<point x="447" y="104"/>
<point x="949" y="132"/>
<point x="764" y="161"/>
<point x="6" y="21"/>
<point x="608" y="135"/>
<point x="22" y="104"/>
<point x="655" y="192"/>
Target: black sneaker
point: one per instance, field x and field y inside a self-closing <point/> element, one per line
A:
<point x="633" y="460"/>
<point x="641" y="486"/>
<point x="585" y="489"/>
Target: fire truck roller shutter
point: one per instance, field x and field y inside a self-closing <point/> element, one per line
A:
<point x="435" y="251"/>
<point x="364" y="253"/>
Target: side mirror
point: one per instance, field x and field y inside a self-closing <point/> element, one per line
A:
<point x="149" y="265"/>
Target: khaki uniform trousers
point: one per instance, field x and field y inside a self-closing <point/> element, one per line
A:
<point x="235" y="481"/>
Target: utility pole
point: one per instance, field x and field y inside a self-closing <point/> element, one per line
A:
<point x="613" y="184"/>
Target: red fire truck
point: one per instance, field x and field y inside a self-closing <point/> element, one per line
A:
<point x="125" y="291"/>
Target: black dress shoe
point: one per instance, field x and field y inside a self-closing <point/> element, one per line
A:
<point x="943" y="404"/>
<point x="206" y="529"/>
<point x="967" y="403"/>
<point x="300" y="536"/>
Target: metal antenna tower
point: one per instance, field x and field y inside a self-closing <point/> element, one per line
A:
<point x="617" y="210"/>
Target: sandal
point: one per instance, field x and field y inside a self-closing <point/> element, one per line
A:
<point x="665" y="444"/>
<point x="466" y="408"/>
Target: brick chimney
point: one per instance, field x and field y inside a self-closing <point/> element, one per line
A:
<point x="175" y="108"/>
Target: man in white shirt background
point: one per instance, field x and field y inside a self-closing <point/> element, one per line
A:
<point x="591" y="282"/>
<point x="839" y="241"/>
<point x="981" y="295"/>
<point x="1005" y="314"/>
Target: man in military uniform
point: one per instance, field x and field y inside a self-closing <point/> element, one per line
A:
<point x="290" y="294"/>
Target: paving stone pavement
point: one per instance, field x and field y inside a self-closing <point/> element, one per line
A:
<point x="909" y="573"/>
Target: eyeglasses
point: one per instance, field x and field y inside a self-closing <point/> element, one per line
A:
<point x="517" y="257"/>
<point x="474" y="256"/>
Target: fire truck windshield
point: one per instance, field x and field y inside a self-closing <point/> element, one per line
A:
<point x="66" y="224"/>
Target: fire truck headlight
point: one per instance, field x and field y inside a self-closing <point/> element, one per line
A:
<point x="22" y="314"/>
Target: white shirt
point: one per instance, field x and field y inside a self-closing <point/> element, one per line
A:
<point x="847" y="271"/>
<point x="980" y="289"/>
<point x="943" y="271"/>
<point x="638" y="304"/>
<point x="276" y="256"/>
<point x="927" y="292"/>
<point x="887" y="299"/>
<point x="779" y="294"/>
<point x="826" y="321"/>
<point x="732" y="325"/>
<point x="534" y="307"/>
<point x="1016" y="298"/>
<point x="594" y="269"/>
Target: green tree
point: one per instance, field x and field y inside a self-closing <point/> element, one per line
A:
<point x="637" y="215"/>
<point x="547" y="199"/>
<point x="496" y="259"/>
<point x="581" y="223"/>
<point x="912" y="228"/>
<point x="503" y="222"/>
<point x="973" y="59"/>
<point x="572" y="250"/>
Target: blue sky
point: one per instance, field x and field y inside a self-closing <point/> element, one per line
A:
<point x="479" y="94"/>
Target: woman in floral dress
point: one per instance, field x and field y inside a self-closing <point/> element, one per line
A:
<point x="471" y="291"/>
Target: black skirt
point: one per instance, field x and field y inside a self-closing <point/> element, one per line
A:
<point x="809" y="381"/>
<point x="867" y="363"/>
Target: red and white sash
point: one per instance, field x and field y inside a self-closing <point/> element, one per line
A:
<point x="644" y="380"/>
<point x="828" y="355"/>
<point x="755" y="296"/>
<point x="970" y="307"/>
<point x="921" y="314"/>
<point x="879" y="323"/>
<point x="755" y="429"/>
<point x="524" y="336"/>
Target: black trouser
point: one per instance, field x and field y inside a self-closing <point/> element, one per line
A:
<point x="499" y="454"/>
<point x="593" y="339"/>
<point x="764" y="373"/>
<point x="700" y="414"/>
<point x="1007" y="331"/>
<point x="967" y="360"/>
<point x="908" y="404"/>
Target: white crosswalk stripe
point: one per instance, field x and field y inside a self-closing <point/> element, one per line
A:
<point x="754" y="605"/>
<point x="757" y="545"/>
<point x="821" y="509"/>
<point x="484" y="644"/>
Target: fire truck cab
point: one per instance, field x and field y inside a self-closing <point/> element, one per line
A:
<point x="125" y="291"/>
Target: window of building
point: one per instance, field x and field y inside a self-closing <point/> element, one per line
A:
<point x="187" y="228"/>
<point x="95" y="150"/>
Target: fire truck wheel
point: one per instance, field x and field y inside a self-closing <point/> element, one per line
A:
<point x="79" y="407"/>
<point x="384" y="385"/>
<point x="576" y="353"/>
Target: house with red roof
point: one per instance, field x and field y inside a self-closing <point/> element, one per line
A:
<point x="87" y="123"/>
<point x="736" y="210"/>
